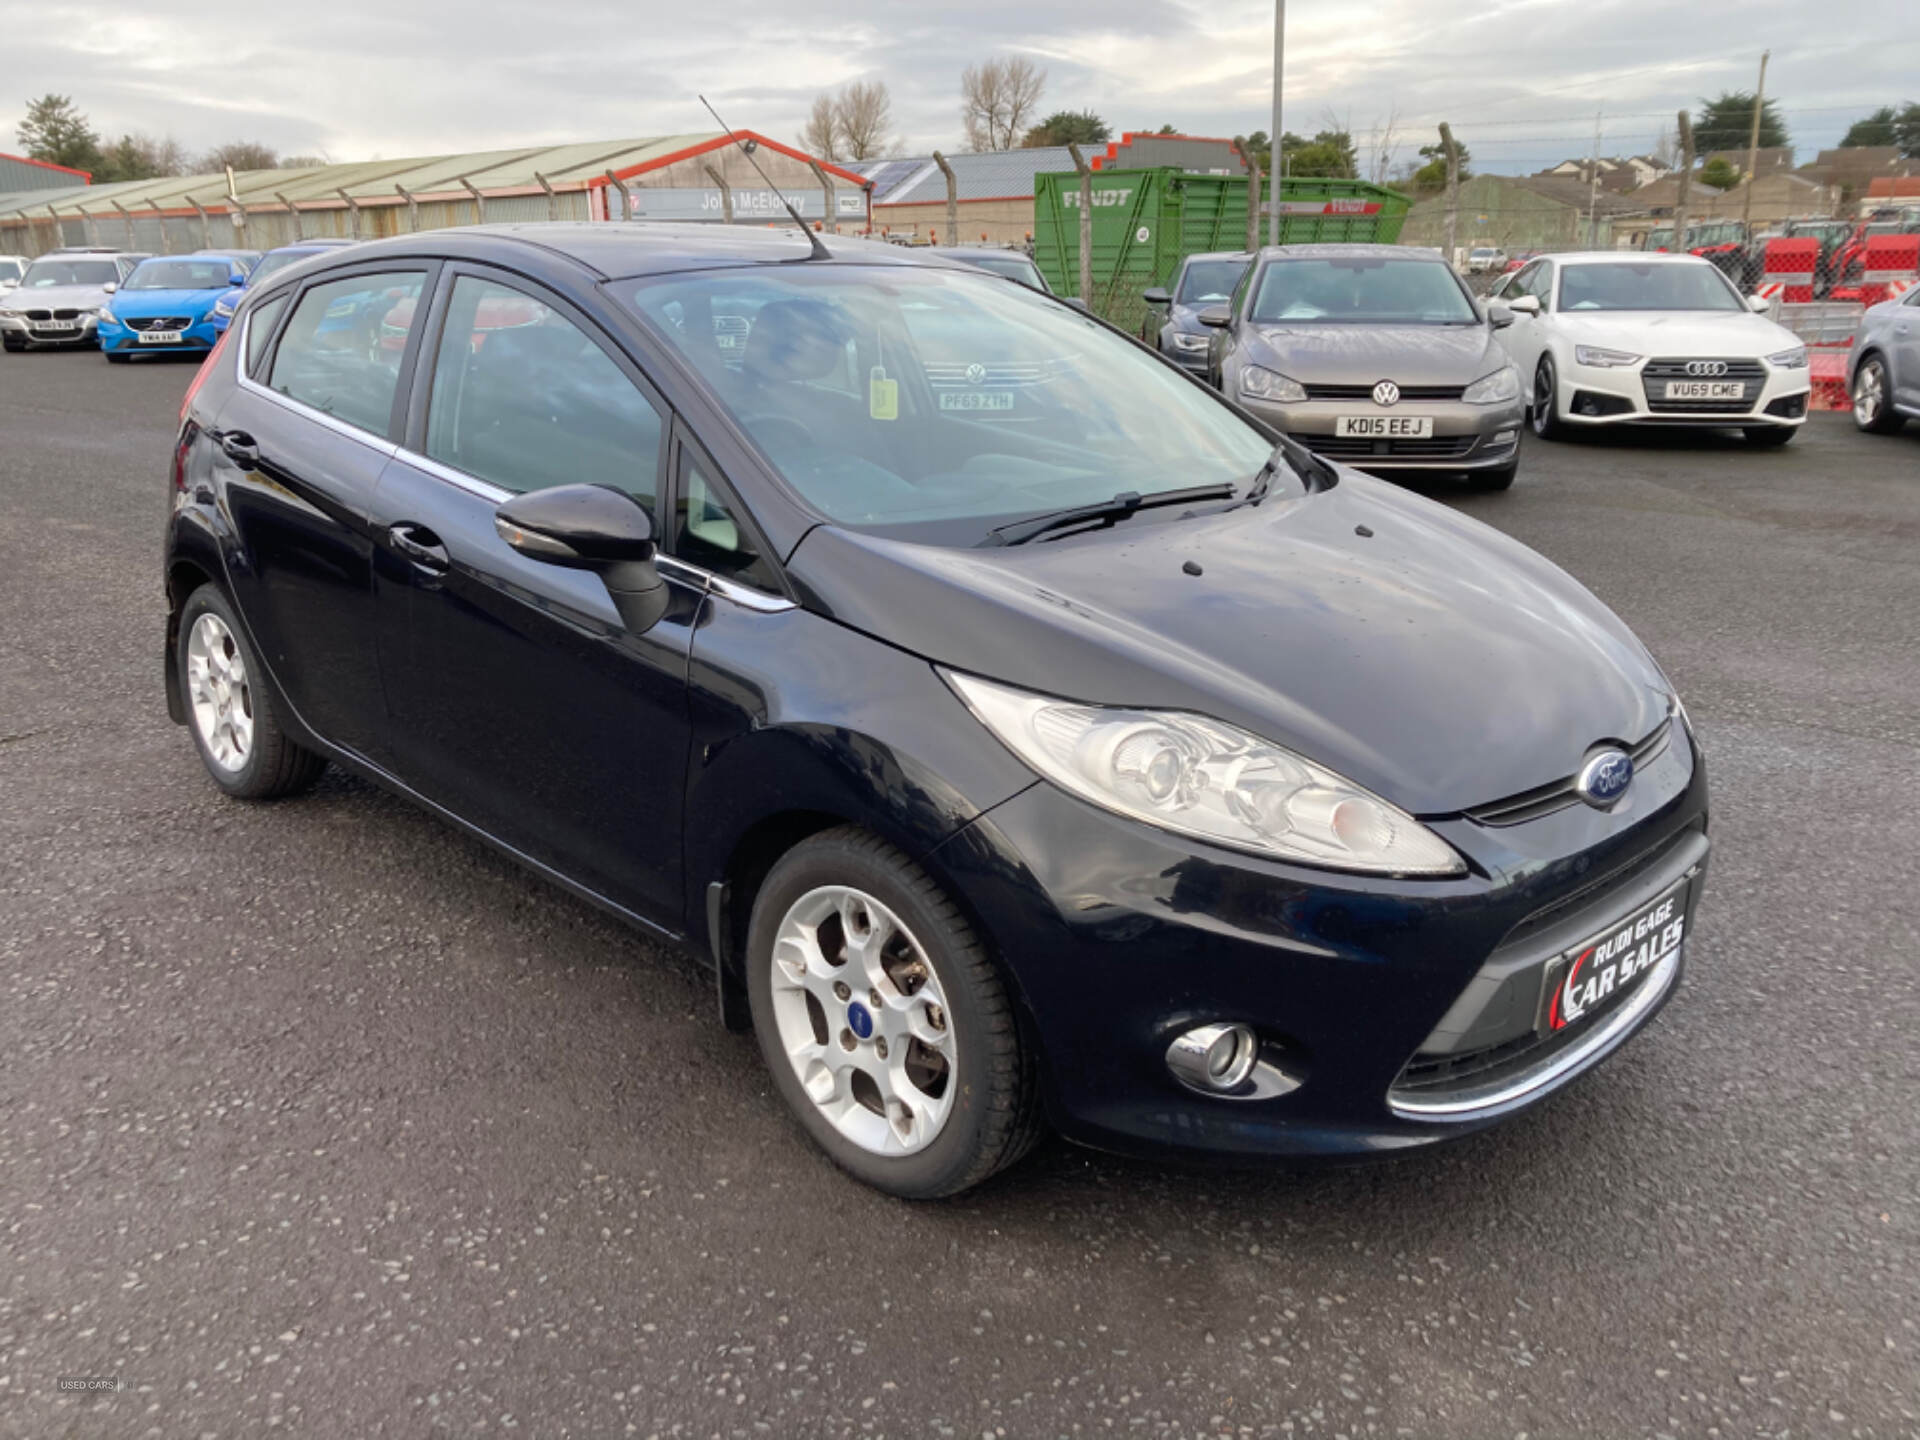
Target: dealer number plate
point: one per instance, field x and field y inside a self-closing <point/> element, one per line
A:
<point x="1385" y="427"/>
<point x="159" y="337"/>
<point x="1593" y="973"/>
<point x="1706" y="390"/>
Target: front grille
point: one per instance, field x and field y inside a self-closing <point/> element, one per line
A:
<point x="954" y="375"/>
<point x="160" y="322"/>
<point x="1365" y="392"/>
<point x="1751" y="374"/>
<point x="1361" y="447"/>
<point x="44" y="314"/>
<point x="1545" y="799"/>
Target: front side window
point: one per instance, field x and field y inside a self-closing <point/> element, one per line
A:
<point x="1361" y="290"/>
<point x="43" y="274"/>
<point x="1646" y="285"/>
<point x="342" y="347"/>
<point x="9" y="269"/>
<point x="936" y="404"/>
<point x="708" y="531"/>
<point x="524" y="399"/>
<point x="1210" y="282"/>
<point x="186" y="274"/>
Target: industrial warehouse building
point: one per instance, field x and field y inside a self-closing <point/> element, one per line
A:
<point x="700" y="177"/>
<point x="19" y="174"/>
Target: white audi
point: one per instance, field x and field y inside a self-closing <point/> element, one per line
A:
<point x="1612" y="337"/>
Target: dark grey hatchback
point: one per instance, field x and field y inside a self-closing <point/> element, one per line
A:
<point x="1107" y="761"/>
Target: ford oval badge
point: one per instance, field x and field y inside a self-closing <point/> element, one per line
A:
<point x="1604" y="778"/>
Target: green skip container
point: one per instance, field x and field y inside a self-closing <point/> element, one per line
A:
<point x="1145" y="222"/>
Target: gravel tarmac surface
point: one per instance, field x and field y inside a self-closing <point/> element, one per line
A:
<point x="319" y="1118"/>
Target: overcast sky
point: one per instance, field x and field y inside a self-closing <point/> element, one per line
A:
<point x="358" y="79"/>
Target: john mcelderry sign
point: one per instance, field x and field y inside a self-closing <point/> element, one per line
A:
<point x="705" y="204"/>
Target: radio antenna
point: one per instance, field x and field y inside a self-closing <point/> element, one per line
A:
<point x="819" y="251"/>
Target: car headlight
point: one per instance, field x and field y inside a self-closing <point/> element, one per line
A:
<point x="1183" y="341"/>
<point x="1258" y="384"/>
<point x="1794" y="359"/>
<point x="225" y="306"/>
<point x="105" y="312"/>
<point x="1199" y="777"/>
<point x="1603" y="359"/>
<point x="1492" y="389"/>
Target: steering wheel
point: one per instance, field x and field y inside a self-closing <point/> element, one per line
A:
<point x="769" y="429"/>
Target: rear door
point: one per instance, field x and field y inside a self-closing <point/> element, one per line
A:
<point x="520" y="701"/>
<point x="1906" y="351"/>
<point x="300" y="446"/>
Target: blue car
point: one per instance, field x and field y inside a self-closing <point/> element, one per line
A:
<point x="167" y="304"/>
<point x="271" y="263"/>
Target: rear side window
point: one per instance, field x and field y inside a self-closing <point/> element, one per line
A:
<point x="342" y="347"/>
<point x="525" y="399"/>
<point x="260" y="330"/>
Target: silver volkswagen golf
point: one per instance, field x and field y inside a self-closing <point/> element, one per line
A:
<point x="1373" y="355"/>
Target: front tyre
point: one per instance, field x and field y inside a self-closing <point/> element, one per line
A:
<point x="1871" y="408"/>
<point x="239" y="738"/>
<point x="1547" y="423"/>
<point x="884" y="1024"/>
<point x="1770" y="435"/>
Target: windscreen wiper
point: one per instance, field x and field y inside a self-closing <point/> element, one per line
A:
<point x="1303" y="461"/>
<point x="1118" y="508"/>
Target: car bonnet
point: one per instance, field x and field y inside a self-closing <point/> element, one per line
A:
<point x="1430" y="658"/>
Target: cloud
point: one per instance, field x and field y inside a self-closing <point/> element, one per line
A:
<point x="1520" y="79"/>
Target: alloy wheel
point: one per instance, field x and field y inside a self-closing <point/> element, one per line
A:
<point x="220" y="693"/>
<point x="863" y="1020"/>
<point x="1869" y="394"/>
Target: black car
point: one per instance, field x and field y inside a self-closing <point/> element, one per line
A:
<point x="1173" y="315"/>
<point x="1127" y="770"/>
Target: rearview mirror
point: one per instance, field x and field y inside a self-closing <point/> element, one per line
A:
<point x="1524" y="305"/>
<point x="591" y="527"/>
<point x="1216" y="317"/>
<point x="1759" y="304"/>
<point x="1498" y="315"/>
<point x="1156" y="295"/>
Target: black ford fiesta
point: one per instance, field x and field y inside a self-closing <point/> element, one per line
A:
<point x="1024" y="734"/>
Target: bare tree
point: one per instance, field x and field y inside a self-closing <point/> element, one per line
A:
<point x="241" y="155"/>
<point x="820" y="137"/>
<point x="1382" y="142"/>
<point x="998" y="99"/>
<point x="863" y="114"/>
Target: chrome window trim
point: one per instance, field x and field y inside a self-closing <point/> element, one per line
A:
<point x="440" y="470"/>
<point x="742" y="595"/>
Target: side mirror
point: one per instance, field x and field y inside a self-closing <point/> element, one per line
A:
<point x="1156" y="295"/>
<point x="591" y="527"/>
<point x="1759" y="304"/>
<point x="1524" y="305"/>
<point x="1076" y="302"/>
<point x="1215" y="317"/>
<point x="236" y="281"/>
<point x="110" y="287"/>
<point x="1499" y="316"/>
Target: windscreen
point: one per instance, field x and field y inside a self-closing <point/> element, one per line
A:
<point x="184" y="274"/>
<point x="1208" y="282"/>
<point x="1014" y="267"/>
<point x="42" y="274"/>
<point x="1623" y="285"/>
<point x="1361" y="290"/>
<point x="936" y="404"/>
<point x="9" y="269"/>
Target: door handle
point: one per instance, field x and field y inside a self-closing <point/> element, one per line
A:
<point x="420" y="545"/>
<point x="239" y="447"/>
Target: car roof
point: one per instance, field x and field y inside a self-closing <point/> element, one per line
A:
<point x="1219" y="255"/>
<point x="1328" y="251"/>
<point x="319" y="242"/>
<point x="971" y="253"/>
<point x="618" y="250"/>
<point x="1638" y="257"/>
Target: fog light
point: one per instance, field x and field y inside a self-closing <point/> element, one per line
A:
<point x="1503" y="437"/>
<point x="1214" y="1058"/>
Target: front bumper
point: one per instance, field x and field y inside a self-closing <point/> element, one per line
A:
<point x="116" y="337"/>
<point x="1630" y="395"/>
<point x="1464" y="437"/>
<point x="1118" y="937"/>
<point x="83" y="331"/>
